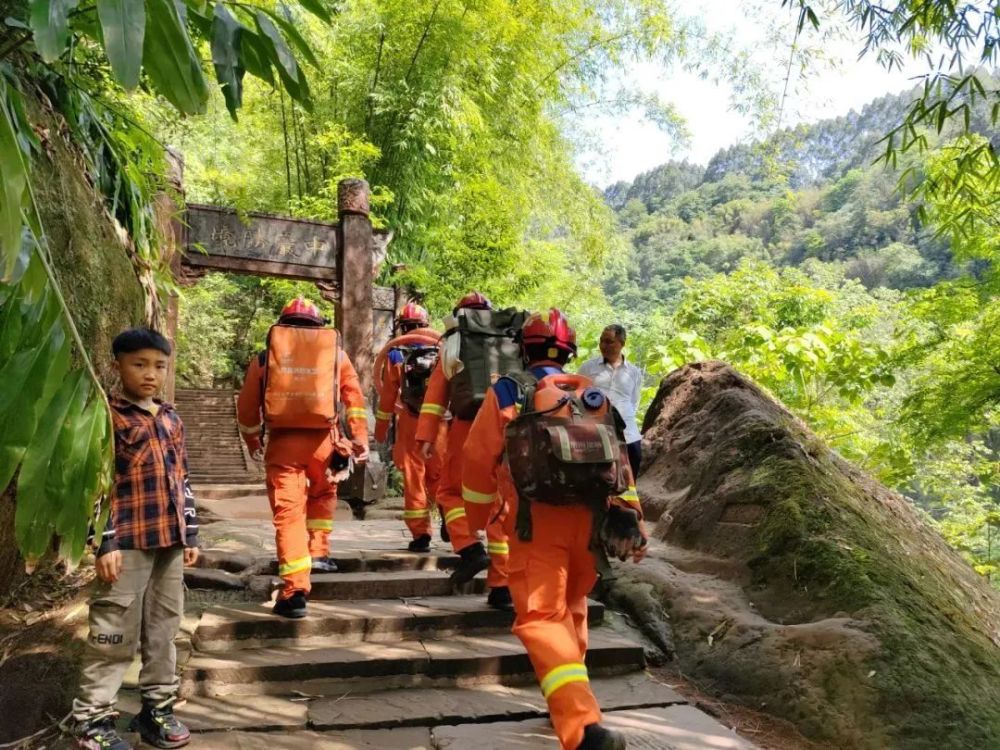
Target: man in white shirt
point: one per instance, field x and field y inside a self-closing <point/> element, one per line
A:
<point x="622" y="382"/>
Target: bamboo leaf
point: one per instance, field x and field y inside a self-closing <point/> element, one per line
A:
<point x="37" y="510"/>
<point x="318" y="9"/>
<point x="13" y="190"/>
<point x="288" y="69"/>
<point x="226" y="57"/>
<point x="123" y="25"/>
<point x="83" y="479"/>
<point x="297" y="39"/>
<point x="255" y="55"/>
<point x="30" y="379"/>
<point x="170" y="59"/>
<point x="50" y="24"/>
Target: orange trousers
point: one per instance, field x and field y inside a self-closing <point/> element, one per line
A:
<point x="550" y="578"/>
<point x="420" y="478"/>
<point x="449" y="498"/>
<point x="302" y="505"/>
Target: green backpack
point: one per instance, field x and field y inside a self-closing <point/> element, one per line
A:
<point x="488" y="351"/>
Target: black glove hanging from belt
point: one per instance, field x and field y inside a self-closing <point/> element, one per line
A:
<point x="621" y="534"/>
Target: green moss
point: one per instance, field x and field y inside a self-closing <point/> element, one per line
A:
<point x="937" y="674"/>
<point x="94" y="270"/>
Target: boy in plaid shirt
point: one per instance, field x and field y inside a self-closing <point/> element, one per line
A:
<point x="152" y="532"/>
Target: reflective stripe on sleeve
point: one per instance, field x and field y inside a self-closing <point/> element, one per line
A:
<point x="244" y="430"/>
<point x="435" y="409"/>
<point x="498" y="548"/>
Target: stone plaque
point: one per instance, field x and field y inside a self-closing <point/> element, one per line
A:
<point x="260" y="243"/>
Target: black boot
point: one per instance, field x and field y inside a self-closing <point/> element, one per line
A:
<point x="294" y="607"/>
<point x="421" y="544"/>
<point x="500" y="598"/>
<point x="474" y="561"/>
<point x="596" y="737"/>
<point x="445" y="536"/>
<point x="159" y="727"/>
<point x="324" y="565"/>
<point x="100" y="734"/>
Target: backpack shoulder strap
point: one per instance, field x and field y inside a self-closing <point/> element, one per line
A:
<point x="526" y="384"/>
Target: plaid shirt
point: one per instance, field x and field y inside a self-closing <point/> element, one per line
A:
<point x="152" y="505"/>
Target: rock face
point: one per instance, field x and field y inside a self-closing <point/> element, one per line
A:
<point x="795" y="582"/>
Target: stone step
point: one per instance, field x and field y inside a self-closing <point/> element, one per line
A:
<point x="388" y="561"/>
<point x="229" y="627"/>
<point x="679" y="727"/>
<point x="392" y="584"/>
<point x="229" y="491"/>
<point x="369" y="666"/>
<point x="394" y="709"/>
<point x="430" y="707"/>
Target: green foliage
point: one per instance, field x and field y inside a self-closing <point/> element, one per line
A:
<point x="224" y="322"/>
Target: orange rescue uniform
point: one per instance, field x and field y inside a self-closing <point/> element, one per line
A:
<point x="449" y="493"/>
<point x="551" y="575"/>
<point x="420" y="478"/>
<point x="302" y="499"/>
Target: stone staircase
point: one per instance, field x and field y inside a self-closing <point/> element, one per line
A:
<point x="215" y="451"/>
<point x="391" y="657"/>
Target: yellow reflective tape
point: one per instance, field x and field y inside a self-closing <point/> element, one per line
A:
<point x="295" y="566"/>
<point x="248" y="430"/>
<point x="479" y="498"/>
<point x="321" y="524"/>
<point x="425" y="513"/>
<point x="498" y="548"/>
<point x="562" y="676"/>
<point x="454" y="513"/>
<point x="357" y="411"/>
<point x="379" y="414"/>
<point x="435" y="409"/>
<point x="630" y="495"/>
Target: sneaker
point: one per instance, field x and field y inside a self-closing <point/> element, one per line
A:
<point x="500" y="598"/>
<point x="100" y="734"/>
<point x="324" y="565"/>
<point x="294" y="607"/>
<point x="474" y="561"/>
<point x="159" y="727"/>
<point x="421" y="544"/>
<point x="596" y="737"/>
<point x="445" y="536"/>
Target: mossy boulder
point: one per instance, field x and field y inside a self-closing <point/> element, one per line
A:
<point x="795" y="582"/>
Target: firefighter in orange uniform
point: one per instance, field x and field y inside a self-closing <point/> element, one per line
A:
<point x="552" y="565"/>
<point x="293" y="388"/>
<point x="420" y="477"/>
<point x="474" y="556"/>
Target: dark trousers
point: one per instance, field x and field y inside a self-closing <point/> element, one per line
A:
<point x="635" y="457"/>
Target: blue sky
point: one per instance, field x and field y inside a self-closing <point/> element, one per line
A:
<point x="626" y="146"/>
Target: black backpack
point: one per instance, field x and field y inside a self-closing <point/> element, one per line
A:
<point x="418" y="362"/>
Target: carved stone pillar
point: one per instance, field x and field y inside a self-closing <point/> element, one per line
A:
<point x="354" y="274"/>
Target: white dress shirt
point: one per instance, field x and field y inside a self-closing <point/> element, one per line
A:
<point x="623" y="385"/>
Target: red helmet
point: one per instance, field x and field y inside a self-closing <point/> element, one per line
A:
<point x="412" y="313"/>
<point x="301" y="310"/>
<point x="474" y="301"/>
<point x="556" y="331"/>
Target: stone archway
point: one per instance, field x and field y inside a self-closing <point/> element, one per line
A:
<point x="342" y="259"/>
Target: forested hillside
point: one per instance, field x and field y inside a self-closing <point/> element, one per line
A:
<point x="800" y="261"/>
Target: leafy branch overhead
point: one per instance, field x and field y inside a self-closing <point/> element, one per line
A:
<point x="163" y="39"/>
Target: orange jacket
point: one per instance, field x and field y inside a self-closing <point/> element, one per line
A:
<point x="388" y="397"/>
<point x="291" y="445"/>
<point x="485" y="477"/>
<point x="435" y="406"/>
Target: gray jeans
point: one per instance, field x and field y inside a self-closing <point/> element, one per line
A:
<point x="141" y="610"/>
